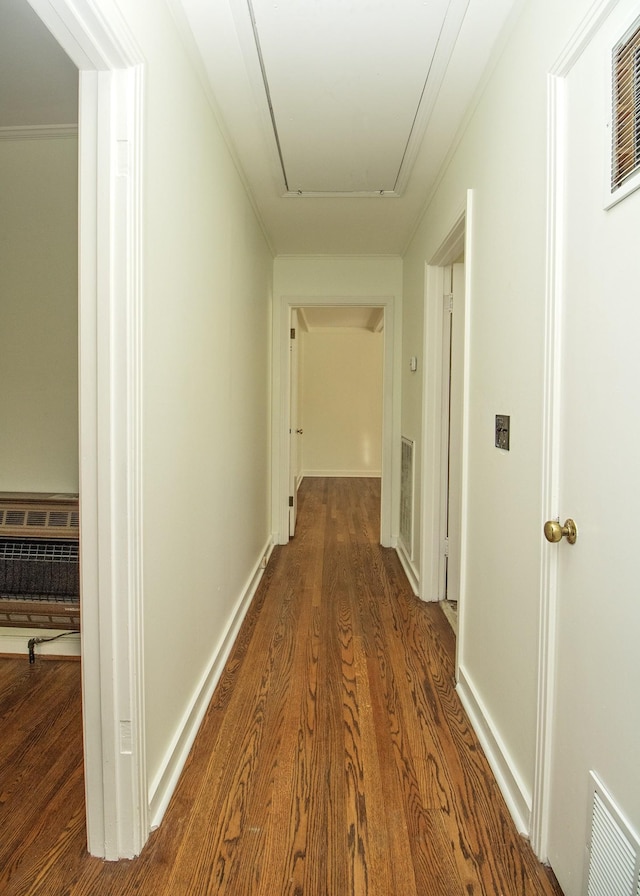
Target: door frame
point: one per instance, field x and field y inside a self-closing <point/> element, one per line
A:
<point x="111" y="73"/>
<point x="280" y="420"/>
<point x="554" y="300"/>
<point x="294" y="454"/>
<point x="458" y="238"/>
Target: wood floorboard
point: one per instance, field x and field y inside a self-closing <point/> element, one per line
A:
<point x="334" y="760"/>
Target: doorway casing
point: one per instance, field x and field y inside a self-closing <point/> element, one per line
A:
<point x="281" y="423"/>
<point x="95" y="37"/>
<point x="434" y="444"/>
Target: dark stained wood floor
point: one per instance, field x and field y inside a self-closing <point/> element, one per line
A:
<point x="334" y="760"/>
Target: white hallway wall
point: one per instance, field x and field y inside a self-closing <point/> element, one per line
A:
<point x="341" y="402"/>
<point x="502" y="156"/>
<point x="206" y="330"/>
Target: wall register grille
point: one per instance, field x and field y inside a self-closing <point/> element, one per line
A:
<point x="613" y="850"/>
<point x="407" y="480"/>
<point x="626" y="108"/>
<point x="39" y="560"/>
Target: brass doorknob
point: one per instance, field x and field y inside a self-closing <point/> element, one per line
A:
<point x="554" y="532"/>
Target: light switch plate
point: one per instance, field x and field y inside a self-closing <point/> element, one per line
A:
<point x="503" y="431"/>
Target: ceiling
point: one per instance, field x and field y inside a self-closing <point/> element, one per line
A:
<point x="340" y="113"/>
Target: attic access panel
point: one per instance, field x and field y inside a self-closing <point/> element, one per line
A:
<point x="351" y="85"/>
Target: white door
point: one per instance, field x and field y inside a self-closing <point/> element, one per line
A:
<point x="294" y="430"/>
<point x="596" y="717"/>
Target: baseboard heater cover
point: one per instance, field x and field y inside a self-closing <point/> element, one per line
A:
<point x="39" y="560"/>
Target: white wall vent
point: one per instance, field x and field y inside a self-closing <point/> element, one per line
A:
<point x="623" y="125"/>
<point x="407" y="479"/>
<point x="613" y="849"/>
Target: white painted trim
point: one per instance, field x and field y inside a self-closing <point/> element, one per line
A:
<point x="39" y="132"/>
<point x="516" y="795"/>
<point x="550" y="471"/>
<point x="164" y="783"/>
<point x="14" y="641"/>
<point x="547" y="644"/>
<point x="411" y="572"/>
<point x="469" y="257"/>
<point x="111" y="422"/>
<point x="344" y="474"/>
<point x="97" y="39"/>
<point x="431" y="528"/>
<point x="431" y="537"/>
<point x="280" y="411"/>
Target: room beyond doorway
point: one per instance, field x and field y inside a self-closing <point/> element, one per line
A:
<point x="281" y="412"/>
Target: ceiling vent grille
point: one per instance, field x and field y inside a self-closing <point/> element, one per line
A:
<point x="613" y="850"/>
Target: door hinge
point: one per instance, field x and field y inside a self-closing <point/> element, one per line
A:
<point x="448" y="303"/>
<point x="293" y="332"/>
<point x="290" y="500"/>
<point x="445" y="547"/>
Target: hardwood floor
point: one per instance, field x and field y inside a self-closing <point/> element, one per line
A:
<point x="334" y="760"/>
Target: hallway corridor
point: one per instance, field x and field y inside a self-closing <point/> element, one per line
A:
<point x="334" y="760"/>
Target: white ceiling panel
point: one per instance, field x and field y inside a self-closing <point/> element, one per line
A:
<point x="341" y="79"/>
<point x="346" y="80"/>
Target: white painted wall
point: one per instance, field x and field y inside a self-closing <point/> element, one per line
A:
<point x="39" y="315"/>
<point x="207" y="291"/>
<point x="348" y="275"/>
<point x="502" y="156"/>
<point x="341" y="402"/>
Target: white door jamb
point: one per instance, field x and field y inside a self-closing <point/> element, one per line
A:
<point x="96" y="38"/>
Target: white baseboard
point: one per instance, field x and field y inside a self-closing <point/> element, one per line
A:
<point x="344" y="474"/>
<point x="164" y="784"/>
<point x="410" y="570"/>
<point x="14" y="641"/>
<point x="516" y="795"/>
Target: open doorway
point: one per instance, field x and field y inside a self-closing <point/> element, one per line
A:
<point x="444" y="426"/>
<point x="38" y="336"/>
<point x="281" y="407"/>
<point x="100" y="46"/>
<point x="336" y="388"/>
